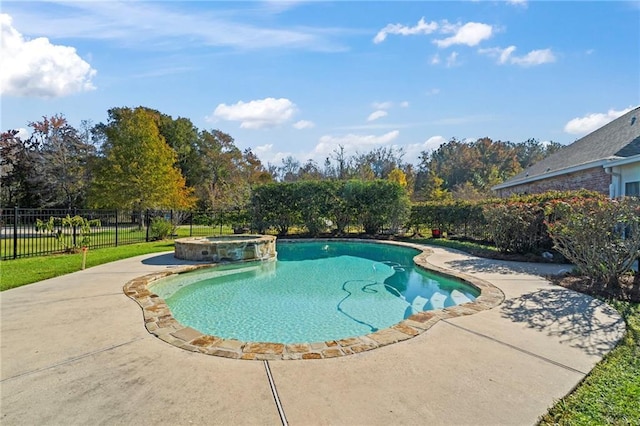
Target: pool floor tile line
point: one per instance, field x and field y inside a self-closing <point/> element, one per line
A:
<point x="517" y="348"/>
<point x="274" y="392"/>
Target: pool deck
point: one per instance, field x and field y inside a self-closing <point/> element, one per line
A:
<point x="74" y="350"/>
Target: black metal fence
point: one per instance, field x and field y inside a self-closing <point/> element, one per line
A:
<point x="23" y="232"/>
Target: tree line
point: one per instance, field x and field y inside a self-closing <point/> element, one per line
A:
<point x="141" y="158"/>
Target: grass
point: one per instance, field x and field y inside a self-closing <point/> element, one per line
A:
<point x="44" y="243"/>
<point x="19" y="272"/>
<point x="476" y="249"/>
<point x="608" y="395"/>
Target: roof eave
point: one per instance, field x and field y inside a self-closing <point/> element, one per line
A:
<point x="617" y="161"/>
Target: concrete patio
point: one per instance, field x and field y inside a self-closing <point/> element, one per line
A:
<point x="74" y="350"/>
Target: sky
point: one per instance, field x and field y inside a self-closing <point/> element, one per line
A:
<point x="302" y="78"/>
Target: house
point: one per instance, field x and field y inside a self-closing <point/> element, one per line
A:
<point x="606" y="161"/>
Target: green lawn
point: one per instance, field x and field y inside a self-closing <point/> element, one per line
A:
<point x="18" y="272"/>
<point x="44" y="243"/>
<point x="610" y="394"/>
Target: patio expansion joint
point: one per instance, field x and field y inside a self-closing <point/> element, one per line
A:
<point x="72" y="359"/>
<point x="517" y="348"/>
<point x="274" y="392"/>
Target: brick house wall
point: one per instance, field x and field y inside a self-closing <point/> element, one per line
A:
<point x="593" y="179"/>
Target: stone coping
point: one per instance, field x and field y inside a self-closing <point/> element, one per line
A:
<point x="160" y="322"/>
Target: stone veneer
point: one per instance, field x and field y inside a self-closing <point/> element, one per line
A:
<point x="226" y="248"/>
<point x="160" y="322"/>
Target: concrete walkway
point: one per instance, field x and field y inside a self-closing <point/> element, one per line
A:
<point x="74" y="350"/>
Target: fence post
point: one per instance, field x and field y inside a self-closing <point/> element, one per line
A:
<point x="191" y="224"/>
<point x="15" y="232"/>
<point x="116" y="227"/>
<point x="75" y="213"/>
<point x="146" y="221"/>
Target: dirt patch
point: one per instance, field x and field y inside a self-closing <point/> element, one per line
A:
<point x="628" y="290"/>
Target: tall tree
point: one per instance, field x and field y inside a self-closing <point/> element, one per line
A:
<point x="289" y="169"/>
<point x="379" y="161"/>
<point x="223" y="176"/>
<point x="17" y="157"/>
<point x="138" y="170"/>
<point x="62" y="162"/>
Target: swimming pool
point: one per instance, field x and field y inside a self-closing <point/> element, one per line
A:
<point x="159" y="320"/>
<point x="316" y="291"/>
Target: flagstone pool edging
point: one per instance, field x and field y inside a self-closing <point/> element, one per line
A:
<point x="160" y="322"/>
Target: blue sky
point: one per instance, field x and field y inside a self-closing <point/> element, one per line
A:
<point x="301" y="78"/>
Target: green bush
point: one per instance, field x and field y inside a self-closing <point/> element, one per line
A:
<point x="601" y="237"/>
<point x="461" y="217"/>
<point x="517" y="227"/>
<point x="160" y="228"/>
<point x="319" y="206"/>
<point x="62" y="228"/>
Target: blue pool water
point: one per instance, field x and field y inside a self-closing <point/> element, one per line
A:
<point x="315" y="291"/>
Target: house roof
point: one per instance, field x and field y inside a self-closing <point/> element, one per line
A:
<point x="617" y="140"/>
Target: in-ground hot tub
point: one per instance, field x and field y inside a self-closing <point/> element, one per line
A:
<point x="227" y="248"/>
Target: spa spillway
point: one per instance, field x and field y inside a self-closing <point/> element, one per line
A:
<point x="230" y="248"/>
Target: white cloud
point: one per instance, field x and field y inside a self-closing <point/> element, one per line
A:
<point x="376" y="115"/>
<point x="470" y="34"/>
<point x="413" y="151"/>
<point x="522" y="3"/>
<point x="452" y="59"/>
<point x="433" y="92"/>
<point x="353" y="142"/>
<point x="166" y="26"/>
<point x="535" y="57"/>
<point x="435" y="59"/>
<point x="264" y="148"/>
<point x="591" y="122"/>
<point x="506" y="56"/>
<point x="303" y="124"/>
<point x="37" y="68"/>
<point x="382" y="105"/>
<point x="404" y="104"/>
<point x="422" y="27"/>
<point x="257" y="114"/>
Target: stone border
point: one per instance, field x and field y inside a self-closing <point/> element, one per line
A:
<point x="160" y="322"/>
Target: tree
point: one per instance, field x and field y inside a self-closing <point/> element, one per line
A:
<point x="225" y="174"/>
<point x="398" y="176"/>
<point x="62" y="163"/>
<point x="138" y="170"/>
<point x="532" y="151"/>
<point x="434" y="190"/>
<point x="379" y="162"/>
<point x="482" y="164"/>
<point x="343" y="163"/>
<point x="310" y="171"/>
<point x="289" y="169"/>
<point x="16" y="159"/>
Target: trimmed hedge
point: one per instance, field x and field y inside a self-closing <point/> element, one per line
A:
<point x="330" y="206"/>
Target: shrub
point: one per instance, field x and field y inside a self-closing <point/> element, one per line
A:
<point x="160" y="228"/>
<point x="319" y="205"/>
<point x="64" y="233"/>
<point x="517" y="227"/>
<point x="600" y="237"/>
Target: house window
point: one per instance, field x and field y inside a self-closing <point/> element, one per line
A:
<point x="632" y="189"/>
